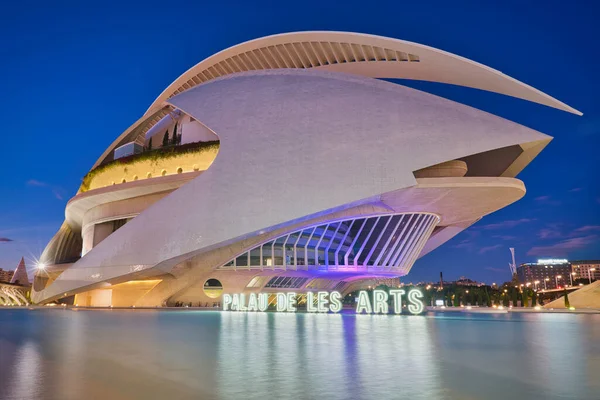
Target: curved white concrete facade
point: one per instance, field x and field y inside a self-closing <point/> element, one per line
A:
<point x="299" y="148"/>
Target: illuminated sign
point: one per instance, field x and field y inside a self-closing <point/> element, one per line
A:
<point x="553" y="261"/>
<point x="324" y="302"/>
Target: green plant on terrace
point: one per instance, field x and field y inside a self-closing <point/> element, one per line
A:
<point x="154" y="156"/>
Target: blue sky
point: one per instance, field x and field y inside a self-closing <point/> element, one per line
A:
<point x="76" y="74"/>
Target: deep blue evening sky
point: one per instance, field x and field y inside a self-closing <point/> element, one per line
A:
<point x="74" y="76"/>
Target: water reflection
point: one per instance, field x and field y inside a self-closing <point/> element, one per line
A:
<point x="62" y="354"/>
<point x="26" y="372"/>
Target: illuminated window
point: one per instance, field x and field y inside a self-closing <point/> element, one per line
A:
<point x="286" y="282"/>
<point x="255" y="282"/>
<point x="213" y="288"/>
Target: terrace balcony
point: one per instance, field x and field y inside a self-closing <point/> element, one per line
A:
<point x="163" y="161"/>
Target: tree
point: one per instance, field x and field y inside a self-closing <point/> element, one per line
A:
<point x="525" y="302"/>
<point x="150" y="144"/>
<point x="567" y="304"/>
<point x="174" y="139"/>
<point x="505" y="300"/>
<point x="515" y="280"/>
<point x="166" y="139"/>
<point x="486" y="298"/>
<point x="456" y="300"/>
<point x="534" y="299"/>
<point x="515" y="297"/>
<point x="479" y="298"/>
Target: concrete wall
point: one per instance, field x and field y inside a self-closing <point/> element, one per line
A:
<point x="192" y="131"/>
<point x="94" y="298"/>
<point x="101" y="232"/>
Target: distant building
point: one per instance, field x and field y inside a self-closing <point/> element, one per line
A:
<point x="6" y="276"/>
<point x="20" y="274"/>
<point x="586" y="269"/>
<point x="548" y="273"/>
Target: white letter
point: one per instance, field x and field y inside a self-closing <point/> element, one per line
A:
<point x="397" y="295"/>
<point x="363" y="303"/>
<point x="226" y="301"/>
<point x="291" y="302"/>
<point x="380" y="305"/>
<point x="243" y="302"/>
<point x="414" y="296"/>
<point x="281" y="302"/>
<point x="322" y="302"/>
<point x="252" y="305"/>
<point x="235" y="303"/>
<point x="310" y="302"/>
<point x="335" y="303"/>
<point x="263" y="301"/>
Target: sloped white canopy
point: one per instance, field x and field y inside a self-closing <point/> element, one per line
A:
<point x="359" y="54"/>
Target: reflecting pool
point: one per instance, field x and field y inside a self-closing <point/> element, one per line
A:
<point x="146" y="354"/>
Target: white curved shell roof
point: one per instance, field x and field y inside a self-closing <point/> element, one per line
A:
<point x="353" y="53"/>
<point x="360" y="54"/>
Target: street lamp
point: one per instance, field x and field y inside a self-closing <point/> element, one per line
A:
<point x="557" y="277"/>
<point x="571" y="277"/>
<point x="546" y="280"/>
<point x="536" y="283"/>
<point x="590" y="270"/>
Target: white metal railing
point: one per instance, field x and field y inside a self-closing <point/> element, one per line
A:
<point x="390" y="242"/>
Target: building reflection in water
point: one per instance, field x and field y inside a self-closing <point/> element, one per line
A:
<point x="230" y="355"/>
<point x="344" y="356"/>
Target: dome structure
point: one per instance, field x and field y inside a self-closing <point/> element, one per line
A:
<point x="283" y="164"/>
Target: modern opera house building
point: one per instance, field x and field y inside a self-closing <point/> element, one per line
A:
<point x="286" y="163"/>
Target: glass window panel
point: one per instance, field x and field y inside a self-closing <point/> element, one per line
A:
<point x="242" y="261"/>
<point x="255" y="256"/>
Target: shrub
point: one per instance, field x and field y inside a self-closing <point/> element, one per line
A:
<point x="154" y="155"/>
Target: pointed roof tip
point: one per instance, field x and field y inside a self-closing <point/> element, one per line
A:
<point x="20" y="274"/>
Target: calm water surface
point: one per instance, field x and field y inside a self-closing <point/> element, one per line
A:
<point x="64" y="354"/>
